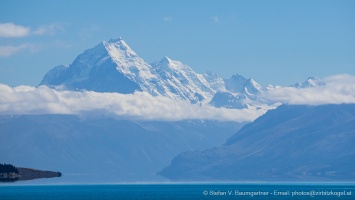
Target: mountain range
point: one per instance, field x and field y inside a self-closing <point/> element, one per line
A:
<point x="114" y="67"/>
<point x="290" y="143"/>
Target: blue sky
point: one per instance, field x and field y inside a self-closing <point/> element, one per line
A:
<point x="277" y="42"/>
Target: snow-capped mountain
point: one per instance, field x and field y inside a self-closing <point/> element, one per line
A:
<point x="239" y="84"/>
<point x="216" y="82"/>
<point x="114" y="67"/>
<point x="310" y="82"/>
<point x="180" y="81"/>
<point x="239" y="92"/>
<point x="108" y="67"/>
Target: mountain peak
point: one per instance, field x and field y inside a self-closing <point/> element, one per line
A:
<point x="242" y="85"/>
<point x="112" y="66"/>
<point x="119" y="50"/>
<point x="254" y="83"/>
<point x="115" y="40"/>
<point x="310" y="82"/>
<point x="165" y="60"/>
<point x="119" y="42"/>
<point x="237" y="76"/>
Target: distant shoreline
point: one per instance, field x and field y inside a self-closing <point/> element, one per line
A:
<point x="23" y="174"/>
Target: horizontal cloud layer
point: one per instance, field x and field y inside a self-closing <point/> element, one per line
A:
<point x="338" y="89"/>
<point x="12" y="30"/>
<point x="140" y="105"/>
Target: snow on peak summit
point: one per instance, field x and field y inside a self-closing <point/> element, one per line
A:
<point x="239" y="84"/>
<point x="172" y="65"/>
<point x="182" y="82"/>
<point x="239" y="93"/>
<point x="253" y="86"/>
<point x="130" y="64"/>
<point x="114" y="40"/>
<point x="118" y="47"/>
<point x="310" y="82"/>
<point x="114" y="67"/>
<point x="165" y="60"/>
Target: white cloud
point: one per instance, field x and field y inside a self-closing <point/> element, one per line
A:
<point x="48" y="29"/>
<point x="338" y="89"/>
<point x="141" y="105"/>
<point x="12" y="30"/>
<point x="26" y="99"/>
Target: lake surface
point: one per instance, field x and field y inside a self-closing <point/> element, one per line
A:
<point x="178" y="191"/>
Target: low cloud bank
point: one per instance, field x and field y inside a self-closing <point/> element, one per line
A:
<point x="140" y="105"/>
<point x="339" y="89"/>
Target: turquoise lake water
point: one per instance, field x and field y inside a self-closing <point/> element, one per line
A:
<point x="177" y="191"/>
